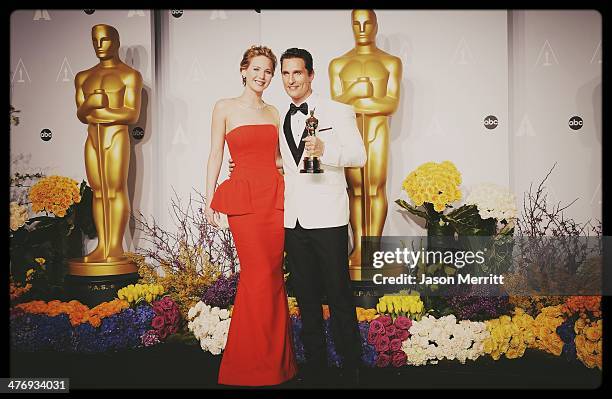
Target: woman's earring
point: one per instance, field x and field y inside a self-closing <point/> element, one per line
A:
<point x="244" y="80"/>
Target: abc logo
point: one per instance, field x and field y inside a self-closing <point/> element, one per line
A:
<point x="46" y="135"/>
<point x="138" y="133"/>
<point x="575" y="122"/>
<point x="89" y="11"/>
<point x="176" y="13"/>
<point x="491" y="122"/>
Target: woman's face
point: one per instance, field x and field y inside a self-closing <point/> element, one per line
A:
<point x="259" y="73"/>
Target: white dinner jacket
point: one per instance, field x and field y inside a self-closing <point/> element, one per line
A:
<point x="321" y="200"/>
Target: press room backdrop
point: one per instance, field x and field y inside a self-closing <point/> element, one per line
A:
<point x="532" y="70"/>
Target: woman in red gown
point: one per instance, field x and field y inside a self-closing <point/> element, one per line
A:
<point x="259" y="348"/>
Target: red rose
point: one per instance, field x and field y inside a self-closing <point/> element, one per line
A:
<point x="172" y="329"/>
<point x="402" y="335"/>
<point x="382" y="344"/>
<point x="372" y="336"/>
<point x="390" y="331"/>
<point x="158" y="322"/>
<point x="171" y="317"/>
<point x="399" y="358"/>
<point x="157" y="308"/>
<point x="403" y="323"/>
<point x="166" y="303"/>
<point x="386" y="320"/>
<point x="383" y="360"/>
<point x="377" y="326"/>
<point x="395" y="345"/>
<point x="162" y="334"/>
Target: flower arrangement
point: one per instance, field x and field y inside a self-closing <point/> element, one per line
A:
<point x="167" y="318"/>
<point x="477" y="302"/>
<point x="433" y="185"/>
<point x="545" y="329"/>
<point x="188" y="260"/>
<point x="134" y="294"/>
<point x="222" y="292"/>
<point x="210" y="326"/>
<point x="493" y="201"/>
<point x="54" y="194"/>
<point x="368" y="351"/>
<point x="401" y="305"/>
<point x="589" y="342"/>
<point x="586" y="306"/>
<point x="509" y="335"/>
<point x="534" y="304"/>
<point x="434" y="339"/>
<point x="387" y="336"/>
<point x="365" y="314"/>
<point x="77" y="312"/>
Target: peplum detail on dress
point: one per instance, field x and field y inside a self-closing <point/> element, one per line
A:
<point x="233" y="197"/>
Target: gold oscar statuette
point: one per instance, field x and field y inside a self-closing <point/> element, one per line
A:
<point x="312" y="164"/>
<point x="108" y="98"/>
<point x="369" y="80"/>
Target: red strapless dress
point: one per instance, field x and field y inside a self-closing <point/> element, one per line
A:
<point x="259" y="348"/>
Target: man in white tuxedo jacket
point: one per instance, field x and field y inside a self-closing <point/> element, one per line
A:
<point x="317" y="212"/>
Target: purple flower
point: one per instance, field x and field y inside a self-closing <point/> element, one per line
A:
<point x="395" y="345"/>
<point x="403" y="323"/>
<point x="158" y="322"/>
<point x="386" y="320"/>
<point x="382" y="344"/>
<point x="399" y="358"/>
<point x="383" y="360"/>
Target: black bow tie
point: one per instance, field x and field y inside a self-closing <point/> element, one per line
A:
<point x="302" y="108"/>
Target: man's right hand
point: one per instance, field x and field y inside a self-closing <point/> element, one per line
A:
<point x="232" y="165"/>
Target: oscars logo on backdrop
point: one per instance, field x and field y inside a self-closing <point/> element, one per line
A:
<point x="41" y="14"/>
<point x="525" y="128"/>
<point x="195" y="72"/>
<point x="64" y="71"/>
<point x="21" y="72"/>
<point x="46" y="135"/>
<point x="547" y="56"/>
<point x="179" y="136"/>
<point x="463" y="54"/>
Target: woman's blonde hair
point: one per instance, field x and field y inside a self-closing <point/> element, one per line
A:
<point x="255" y="51"/>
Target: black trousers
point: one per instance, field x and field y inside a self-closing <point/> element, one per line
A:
<point x="318" y="264"/>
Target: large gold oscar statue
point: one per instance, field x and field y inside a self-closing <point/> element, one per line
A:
<point x="108" y="99"/>
<point x="368" y="79"/>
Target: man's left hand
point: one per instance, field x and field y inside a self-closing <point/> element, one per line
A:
<point x="315" y="146"/>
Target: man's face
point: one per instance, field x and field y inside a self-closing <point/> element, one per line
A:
<point x="104" y="44"/>
<point x="364" y="26"/>
<point x="296" y="79"/>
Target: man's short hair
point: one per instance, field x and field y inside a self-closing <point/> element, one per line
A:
<point x="295" y="52"/>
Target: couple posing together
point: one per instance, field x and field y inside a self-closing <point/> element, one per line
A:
<point x="272" y="208"/>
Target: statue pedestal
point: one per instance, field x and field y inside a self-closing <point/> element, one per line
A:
<point x="92" y="283"/>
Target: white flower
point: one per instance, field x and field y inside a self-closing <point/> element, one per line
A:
<point x="224" y="314"/>
<point x="493" y="201"/>
<point x="193" y="312"/>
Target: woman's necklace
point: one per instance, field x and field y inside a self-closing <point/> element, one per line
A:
<point x="245" y="105"/>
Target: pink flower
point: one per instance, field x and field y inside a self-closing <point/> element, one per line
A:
<point x="390" y="331"/>
<point x="158" y="322"/>
<point x="399" y="358"/>
<point x="382" y="344"/>
<point x="372" y="336"/>
<point x="386" y="320"/>
<point x="403" y="323"/>
<point x="377" y="326"/>
<point x="172" y="329"/>
<point x="383" y="360"/>
<point x="170" y="317"/>
<point x="395" y="345"/>
<point x="402" y="335"/>
<point x="157" y="307"/>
